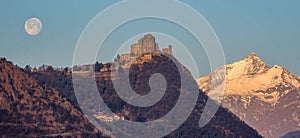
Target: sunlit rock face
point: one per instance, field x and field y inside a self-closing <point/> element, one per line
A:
<point x="28" y="109"/>
<point x="266" y="98"/>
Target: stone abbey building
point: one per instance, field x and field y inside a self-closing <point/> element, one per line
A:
<point x="145" y="45"/>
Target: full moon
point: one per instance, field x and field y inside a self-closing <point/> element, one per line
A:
<point x="33" y="26"/>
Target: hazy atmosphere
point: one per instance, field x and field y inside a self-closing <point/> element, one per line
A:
<point x="270" y="29"/>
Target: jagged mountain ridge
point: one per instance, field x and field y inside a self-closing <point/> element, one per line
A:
<point x="266" y="98"/>
<point x="250" y="65"/>
<point x="28" y="109"/>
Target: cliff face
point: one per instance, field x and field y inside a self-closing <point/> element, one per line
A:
<point x="29" y="109"/>
<point x="266" y="98"/>
<point x="223" y="124"/>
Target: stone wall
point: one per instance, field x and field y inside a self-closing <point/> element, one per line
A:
<point x="147" y="43"/>
<point x="125" y="57"/>
<point x="135" y="50"/>
<point x="168" y="50"/>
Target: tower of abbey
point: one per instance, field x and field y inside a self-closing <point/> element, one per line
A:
<point x="147" y="44"/>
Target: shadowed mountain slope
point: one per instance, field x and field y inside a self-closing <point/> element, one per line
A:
<point x="223" y="124"/>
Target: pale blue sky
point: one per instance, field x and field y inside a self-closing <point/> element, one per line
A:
<point x="268" y="28"/>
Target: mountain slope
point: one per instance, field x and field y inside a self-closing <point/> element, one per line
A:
<point x="30" y="110"/>
<point x="266" y="98"/>
<point x="223" y="124"/>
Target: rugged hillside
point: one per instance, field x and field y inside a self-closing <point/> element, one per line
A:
<point x="223" y="124"/>
<point x="266" y="98"/>
<point x="28" y="109"/>
<point x="60" y="80"/>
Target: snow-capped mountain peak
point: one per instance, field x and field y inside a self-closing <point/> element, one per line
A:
<point x="251" y="75"/>
<point x="267" y="98"/>
<point x="252" y="64"/>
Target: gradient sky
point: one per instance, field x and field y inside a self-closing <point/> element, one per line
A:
<point x="268" y="28"/>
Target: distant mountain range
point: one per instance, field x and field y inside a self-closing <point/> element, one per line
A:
<point x="43" y="103"/>
<point x="266" y="98"/>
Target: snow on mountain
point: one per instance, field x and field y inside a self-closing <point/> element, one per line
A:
<point x="252" y="77"/>
<point x="267" y="98"/>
